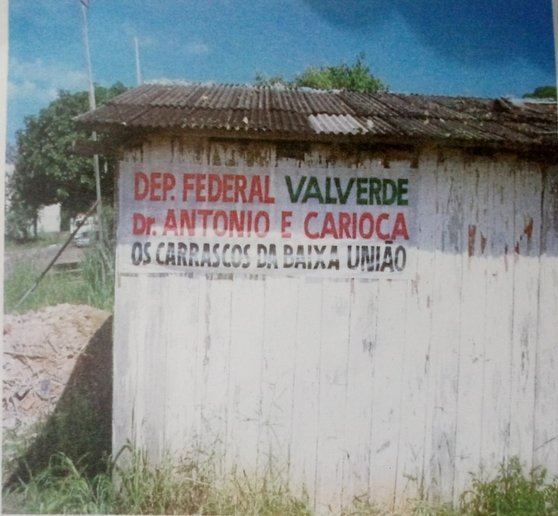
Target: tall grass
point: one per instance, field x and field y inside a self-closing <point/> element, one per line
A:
<point x="92" y="285"/>
<point x="98" y="277"/>
<point x="63" y="488"/>
<point x="172" y="487"/>
<point x="512" y="492"/>
<point x="188" y="486"/>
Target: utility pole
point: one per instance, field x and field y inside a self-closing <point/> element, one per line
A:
<point x="92" y="105"/>
<point x="139" y="78"/>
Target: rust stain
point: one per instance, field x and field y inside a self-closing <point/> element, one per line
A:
<point x="516" y="248"/>
<point x="472" y="235"/>
<point x="482" y="243"/>
<point x="528" y="230"/>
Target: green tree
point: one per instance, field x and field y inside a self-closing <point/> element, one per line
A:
<point x="542" y="92"/>
<point x="46" y="170"/>
<point x="356" y="77"/>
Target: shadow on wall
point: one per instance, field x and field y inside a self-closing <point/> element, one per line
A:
<point x="80" y="426"/>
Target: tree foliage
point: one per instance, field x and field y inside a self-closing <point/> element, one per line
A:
<point x="46" y="171"/>
<point x="542" y="92"/>
<point x="356" y="77"/>
<point x="11" y="153"/>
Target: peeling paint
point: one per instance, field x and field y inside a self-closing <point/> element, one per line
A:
<point x="482" y="243"/>
<point x="471" y="242"/>
<point x="528" y="230"/>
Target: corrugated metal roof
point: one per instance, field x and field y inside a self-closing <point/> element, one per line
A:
<point x="303" y="113"/>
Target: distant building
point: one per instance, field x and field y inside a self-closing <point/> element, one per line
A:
<point x="48" y="217"/>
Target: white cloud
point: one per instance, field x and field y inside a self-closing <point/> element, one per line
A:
<point x="30" y="91"/>
<point x="37" y="81"/>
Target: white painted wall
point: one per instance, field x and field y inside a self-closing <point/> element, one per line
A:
<point x="354" y="386"/>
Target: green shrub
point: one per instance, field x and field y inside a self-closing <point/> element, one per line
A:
<point x="512" y="493"/>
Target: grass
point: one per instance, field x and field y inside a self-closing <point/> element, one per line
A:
<point x="42" y="240"/>
<point x="92" y="285"/>
<point x="512" y="492"/>
<point x="193" y="486"/>
<point x="182" y="486"/>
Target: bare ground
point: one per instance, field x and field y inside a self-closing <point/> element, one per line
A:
<point x="49" y="356"/>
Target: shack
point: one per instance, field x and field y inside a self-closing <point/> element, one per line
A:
<point x="356" y="290"/>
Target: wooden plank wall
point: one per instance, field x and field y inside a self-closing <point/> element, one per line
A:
<point x="391" y="389"/>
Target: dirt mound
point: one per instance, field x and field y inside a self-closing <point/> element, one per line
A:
<point x="41" y="350"/>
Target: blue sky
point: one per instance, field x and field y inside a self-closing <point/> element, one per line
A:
<point x="485" y="48"/>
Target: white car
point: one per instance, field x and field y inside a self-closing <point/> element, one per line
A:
<point x="88" y="231"/>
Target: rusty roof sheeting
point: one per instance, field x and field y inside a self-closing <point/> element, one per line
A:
<point x="303" y="113"/>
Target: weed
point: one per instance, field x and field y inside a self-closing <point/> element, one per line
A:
<point x="53" y="289"/>
<point x="183" y="486"/>
<point x="64" y="487"/>
<point x="362" y="506"/>
<point x="192" y="485"/>
<point x="15" y="443"/>
<point x="93" y="285"/>
<point x="98" y="278"/>
<point x="512" y="493"/>
<point x="425" y="508"/>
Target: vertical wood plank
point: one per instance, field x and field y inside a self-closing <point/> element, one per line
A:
<point x="279" y="367"/>
<point x="477" y="227"/>
<point x="180" y="329"/>
<point x="528" y="195"/>
<point x="124" y="364"/>
<point x="446" y="327"/>
<point x="214" y="364"/>
<point x="545" y="444"/>
<point x="331" y="452"/>
<point x="360" y="389"/>
<point x="140" y="330"/>
<point x="417" y="375"/>
<point x="154" y="382"/>
<point x="244" y="387"/>
<point x="386" y="413"/>
<point x="498" y="319"/>
<point x="306" y="387"/>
